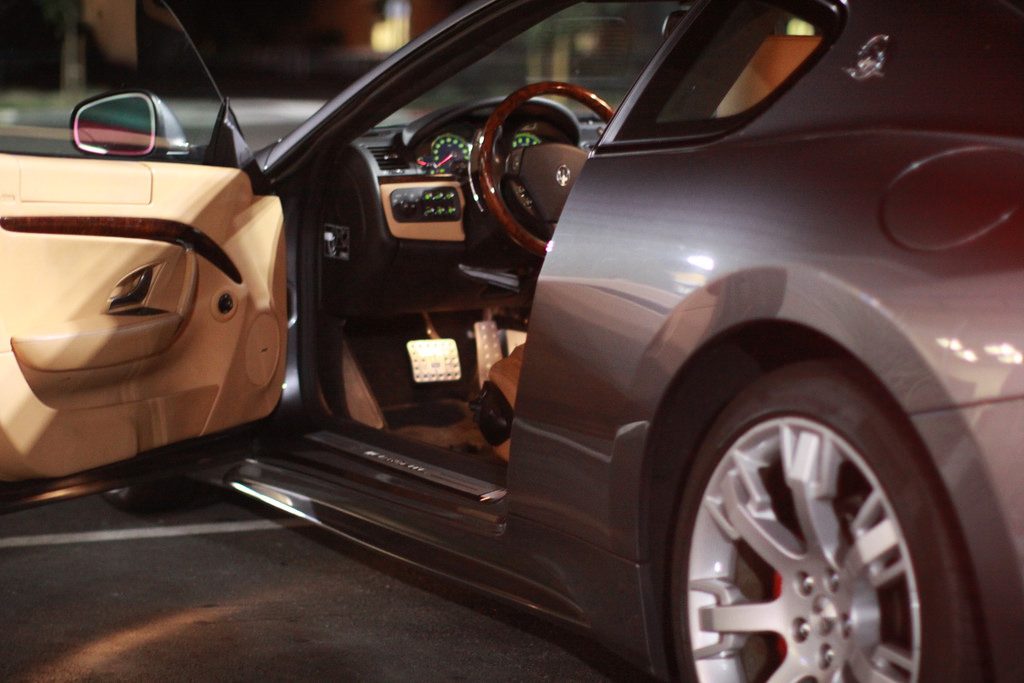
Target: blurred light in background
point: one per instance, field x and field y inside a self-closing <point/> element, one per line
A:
<point x="392" y="30"/>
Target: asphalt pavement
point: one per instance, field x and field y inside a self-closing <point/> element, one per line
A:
<point x="227" y="592"/>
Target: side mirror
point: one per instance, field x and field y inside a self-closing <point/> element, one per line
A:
<point x="127" y="124"/>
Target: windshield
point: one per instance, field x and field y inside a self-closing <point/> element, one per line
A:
<point x="601" y="46"/>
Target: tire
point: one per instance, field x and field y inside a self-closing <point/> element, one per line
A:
<point x="809" y="528"/>
<point x="155" y="496"/>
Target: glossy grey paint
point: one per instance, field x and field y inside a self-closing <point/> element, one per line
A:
<point x="661" y="250"/>
<point x="612" y="322"/>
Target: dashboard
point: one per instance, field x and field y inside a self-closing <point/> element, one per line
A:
<point x="444" y="142"/>
<point x="402" y="223"/>
<point x="444" y="146"/>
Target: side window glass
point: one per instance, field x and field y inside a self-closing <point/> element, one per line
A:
<point x="736" y="56"/>
<point x="59" y="53"/>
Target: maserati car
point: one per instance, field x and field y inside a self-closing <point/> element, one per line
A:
<point x="697" y="327"/>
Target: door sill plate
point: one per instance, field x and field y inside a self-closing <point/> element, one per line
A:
<point x="483" y="491"/>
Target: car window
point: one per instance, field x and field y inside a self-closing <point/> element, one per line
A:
<point x="602" y="46"/>
<point x="57" y="53"/>
<point x="736" y="56"/>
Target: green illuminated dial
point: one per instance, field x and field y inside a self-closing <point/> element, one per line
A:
<point x="446" y="151"/>
<point x="524" y="139"/>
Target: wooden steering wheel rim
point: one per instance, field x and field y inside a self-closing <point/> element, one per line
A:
<point x="490" y="185"/>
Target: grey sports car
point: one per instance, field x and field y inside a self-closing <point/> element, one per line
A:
<point x="697" y="326"/>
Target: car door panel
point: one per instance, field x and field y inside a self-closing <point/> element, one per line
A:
<point x="84" y="385"/>
<point x="78" y="181"/>
<point x="98" y="341"/>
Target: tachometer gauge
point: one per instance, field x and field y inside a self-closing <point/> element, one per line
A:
<point x="447" y="151"/>
<point x="525" y="139"/>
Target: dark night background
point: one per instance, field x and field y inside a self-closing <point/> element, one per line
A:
<point x="299" y="48"/>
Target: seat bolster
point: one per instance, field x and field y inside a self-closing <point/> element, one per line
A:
<point x="505" y="374"/>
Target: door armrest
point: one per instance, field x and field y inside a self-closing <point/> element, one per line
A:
<point x="98" y="342"/>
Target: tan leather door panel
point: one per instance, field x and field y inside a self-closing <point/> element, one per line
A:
<point x="85" y="381"/>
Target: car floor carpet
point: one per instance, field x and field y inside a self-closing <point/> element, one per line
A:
<point x="446" y="424"/>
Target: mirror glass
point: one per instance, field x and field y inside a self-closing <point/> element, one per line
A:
<point x="116" y="125"/>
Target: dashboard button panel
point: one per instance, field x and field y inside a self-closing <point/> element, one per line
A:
<point x="431" y="210"/>
<point x="426" y="205"/>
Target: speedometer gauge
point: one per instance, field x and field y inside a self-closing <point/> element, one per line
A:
<point x="525" y="139"/>
<point x="447" y="151"/>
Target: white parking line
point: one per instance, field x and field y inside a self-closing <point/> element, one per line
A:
<point x="150" y="532"/>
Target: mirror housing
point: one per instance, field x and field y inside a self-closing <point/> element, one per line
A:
<point x="127" y="124"/>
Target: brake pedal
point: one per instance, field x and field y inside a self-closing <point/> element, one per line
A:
<point x="434" y="360"/>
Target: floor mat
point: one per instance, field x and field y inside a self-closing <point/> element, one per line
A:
<point x="379" y="346"/>
<point x="446" y="424"/>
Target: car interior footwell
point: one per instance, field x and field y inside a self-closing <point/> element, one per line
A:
<point x="371" y="380"/>
<point x="446" y="424"/>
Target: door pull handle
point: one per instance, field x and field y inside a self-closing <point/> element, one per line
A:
<point x="132" y="290"/>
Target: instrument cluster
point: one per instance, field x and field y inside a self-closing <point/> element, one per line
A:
<point x="449" y="151"/>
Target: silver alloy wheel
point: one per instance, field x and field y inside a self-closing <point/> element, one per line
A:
<point x="798" y="569"/>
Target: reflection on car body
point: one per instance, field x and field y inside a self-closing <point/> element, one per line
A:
<point x="731" y="378"/>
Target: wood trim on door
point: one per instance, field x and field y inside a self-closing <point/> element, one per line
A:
<point x="156" y="229"/>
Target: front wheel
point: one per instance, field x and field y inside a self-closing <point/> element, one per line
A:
<point x="811" y="544"/>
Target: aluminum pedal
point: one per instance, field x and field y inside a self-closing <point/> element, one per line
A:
<point x="488" y="347"/>
<point x="434" y="360"/>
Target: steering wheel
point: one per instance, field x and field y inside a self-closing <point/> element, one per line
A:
<point x="539" y="177"/>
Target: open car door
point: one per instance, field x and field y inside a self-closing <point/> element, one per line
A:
<point x="142" y="290"/>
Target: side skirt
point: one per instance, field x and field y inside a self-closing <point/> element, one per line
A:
<point x="446" y="523"/>
<point x="444" y="532"/>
